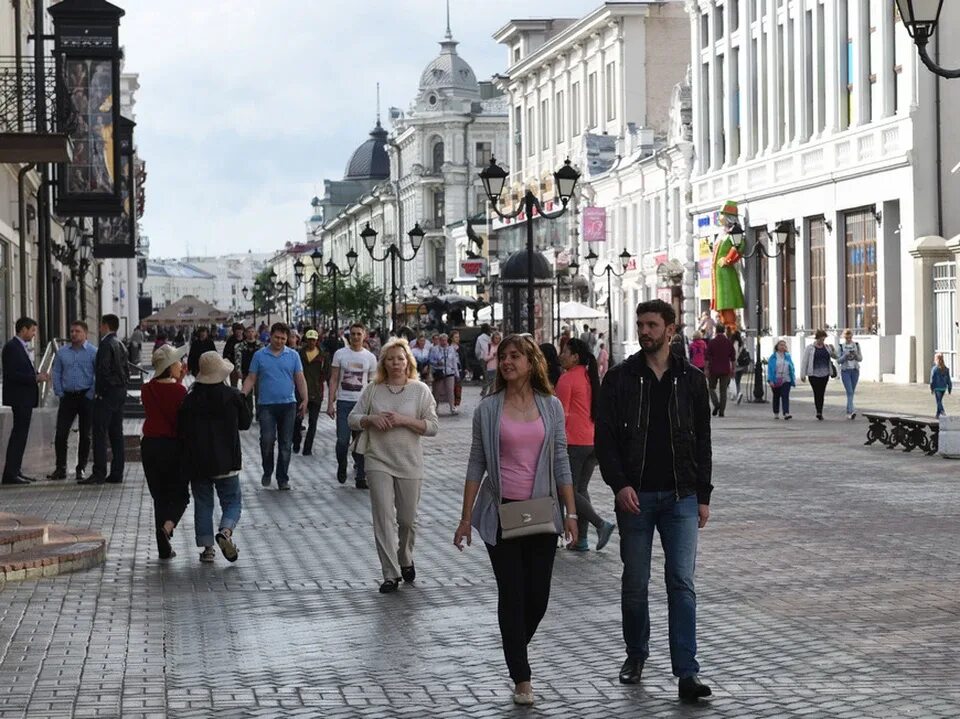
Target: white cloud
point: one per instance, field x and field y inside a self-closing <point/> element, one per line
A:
<point x="246" y="106"/>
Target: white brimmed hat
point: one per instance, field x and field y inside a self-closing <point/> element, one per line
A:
<point x="167" y="356"/>
<point x="214" y="369"/>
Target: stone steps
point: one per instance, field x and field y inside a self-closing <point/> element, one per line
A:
<point x="31" y="548"/>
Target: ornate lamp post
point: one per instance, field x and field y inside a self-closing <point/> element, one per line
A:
<point x="246" y="296"/>
<point x="395" y="254"/>
<point x="494" y="178"/>
<point x="316" y="257"/>
<point x="920" y="17"/>
<point x="333" y="272"/>
<point x="781" y="234"/>
<point x="610" y="272"/>
<point x="284" y="289"/>
<point x="86" y="256"/>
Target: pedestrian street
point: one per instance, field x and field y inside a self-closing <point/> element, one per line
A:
<point x="827" y="585"/>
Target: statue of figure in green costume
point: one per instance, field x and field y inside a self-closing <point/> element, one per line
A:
<point x="727" y="293"/>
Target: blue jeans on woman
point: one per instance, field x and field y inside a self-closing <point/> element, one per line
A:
<point x="676" y="521"/>
<point x="228" y="491"/>
<point x="344" y="437"/>
<point x="781" y="395"/>
<point x="850" y="378"/>
<point x="276" y="427"/>
<point x="938" y="395"/>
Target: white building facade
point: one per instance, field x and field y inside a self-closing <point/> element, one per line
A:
<point x="818" y="113"/>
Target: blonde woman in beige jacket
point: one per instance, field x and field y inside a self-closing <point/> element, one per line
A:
<point x="394" y="412"/>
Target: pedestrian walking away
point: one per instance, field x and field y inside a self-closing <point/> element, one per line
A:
<point x="462" y="361"/>
<point x="167" y="478"/>
<point x="818" y="366"/>
<point x="445" y="366"/>
<point x="697" y="350"/>
<point x="578" y="390"/>
<point x="653" y="445"/>
<point x="352" y="369"/>
<point x="277" y="374"/>
<point x="316" y="372"/>
<point x="200" y="342"/>
<point x="735" y="335"/>
<point x="720" y="362"/>
<point x="209" y="424"/>
<point x="554" y="370"/>
<point x="21" y="393"/>
<point x="850" y="359"/>
<point x="110" y="394"/>
<point x="940" y="382"/>
<point x="394" y="411"/>
<point x="243" y="357"/>
<point x="518" y="468"/>
<point x="782" y="378"/>
<point x="73" y="375"/>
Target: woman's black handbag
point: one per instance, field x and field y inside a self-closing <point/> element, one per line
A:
<point x="743" y="359"/>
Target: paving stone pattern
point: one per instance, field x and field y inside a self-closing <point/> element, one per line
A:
<point x="827" y="586"/>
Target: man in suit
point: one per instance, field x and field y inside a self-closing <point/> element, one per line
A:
<point x="21" y="394"/>
<point x="109" y="396"/>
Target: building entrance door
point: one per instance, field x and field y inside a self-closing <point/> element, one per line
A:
<point x="944" y="298"/>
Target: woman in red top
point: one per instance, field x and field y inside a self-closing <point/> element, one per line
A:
<point x="578" y="389"/>
<point x="159" y="448"/>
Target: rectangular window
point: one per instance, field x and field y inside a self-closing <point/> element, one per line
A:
<point x="481" y="203"/>
<point x="734" y="15"/>
<point x="438" y="208"/>
<point x="575" y="109"/>
<point x="704" y="30"/>
<point x="817" y="234"/>
<point x="531" y="141"/>
<point x="611" y="91"/>
<point x="808" y="106"/>
<point x="592" y="100"/>
<point x="788" y="286"/>
<point x="517" y="138"/>
<point x="821" y="70"/>
<point x="860" y="229"/>
<point x="484" y="153"/>
<point x="718" y="21"/>
<point x="544" y="124"/>
<point x="558" y="117"/>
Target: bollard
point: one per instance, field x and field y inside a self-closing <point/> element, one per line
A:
<point x="949" y="437"/>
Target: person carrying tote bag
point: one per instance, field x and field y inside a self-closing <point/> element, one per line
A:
<point x="518" y="475"/>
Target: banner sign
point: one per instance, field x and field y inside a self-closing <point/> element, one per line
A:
<point x="705" y="269"/>
<point x="473" y="267"/>
<point x="594" y="224"/>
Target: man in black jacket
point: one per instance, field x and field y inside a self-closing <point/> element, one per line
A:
<point x="21" y="395"/>
<point x="230" y="351"/>
<point x="110" y="393"/>
<point x="653" y="446"/>
<point x="201" y="342"/>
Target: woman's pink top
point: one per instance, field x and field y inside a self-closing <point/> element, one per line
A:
<point x="492" y="356"/>
<point x="520" y="445"/>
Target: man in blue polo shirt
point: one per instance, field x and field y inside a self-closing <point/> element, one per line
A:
<point x="277" y="373"/>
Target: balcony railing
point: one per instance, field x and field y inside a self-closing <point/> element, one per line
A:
<point x="19" y="98"/>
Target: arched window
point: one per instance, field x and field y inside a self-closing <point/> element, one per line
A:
<point x="438" y="156"/>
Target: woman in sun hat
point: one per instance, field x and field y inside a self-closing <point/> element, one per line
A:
<point x="210" y="420"/>
<point x="159" y="448"/>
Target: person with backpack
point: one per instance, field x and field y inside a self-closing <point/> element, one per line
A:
<point x="697" y="351"/>
<point x="209" y="423"/>
<point x="940" y="382"/>
<point x="850" y="359"/>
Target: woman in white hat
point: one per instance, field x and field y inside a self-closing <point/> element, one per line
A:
<point x="159" y="447"/>
<point x="210" y="421"/>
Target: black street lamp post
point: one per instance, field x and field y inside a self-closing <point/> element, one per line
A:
<point x="334" y="272"/>
<point x="395" y="254"/>
<point x="610" y="272"/>
<point x="246" y="295"/>
<point x="316" y="257"/>
<point x="781" y="233"/>
<point x="920" y="17"/>
<point x="268" y="289"/>
<point x="494" y="178"/>
<point x="284" y="289"/>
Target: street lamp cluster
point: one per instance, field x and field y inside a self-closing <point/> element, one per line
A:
<point x="394" y="253"/>
<point x="610" y="272"/>
<point x="920" y="17"/>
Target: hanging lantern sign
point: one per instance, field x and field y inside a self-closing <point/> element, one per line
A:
<point x="87" y="52"/>
<point x="117" y="236"/>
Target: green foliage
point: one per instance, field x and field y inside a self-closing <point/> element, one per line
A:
<point x="259" y="297"/>
<point x="358" y="298"/>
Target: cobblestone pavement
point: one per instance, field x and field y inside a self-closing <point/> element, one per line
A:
<point x="827" y="582"/>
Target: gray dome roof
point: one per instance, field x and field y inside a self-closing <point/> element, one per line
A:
<point x="450" y="72"/>
<point x="515" y="267"/>
<point x="370" y="161"/>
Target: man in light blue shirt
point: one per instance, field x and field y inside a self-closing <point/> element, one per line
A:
<point x="277" y="373"/>
<point x="74" y="369"/>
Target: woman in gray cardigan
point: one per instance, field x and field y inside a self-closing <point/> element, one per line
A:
<point x="519" y="452"/>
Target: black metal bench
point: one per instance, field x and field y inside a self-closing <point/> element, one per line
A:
<point x="906" y="431"/>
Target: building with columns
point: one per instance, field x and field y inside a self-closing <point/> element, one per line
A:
<point x="606" y="91"/>
<point x="818" y="113"/>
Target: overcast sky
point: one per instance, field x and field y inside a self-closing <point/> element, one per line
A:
<point x="245" y="106"/>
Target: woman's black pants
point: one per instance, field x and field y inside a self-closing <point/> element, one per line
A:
<point x="819" y="385"/>
<point x="165" y="479"/>
<point x="523" y="568"/>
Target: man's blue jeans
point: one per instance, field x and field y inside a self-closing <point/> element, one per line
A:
<point x="850" y="378"/>
<point x="344" y="437"/>
<point x="676" y="521"/>
<point x="228" y="490"/>
<point x="276" y="427"/>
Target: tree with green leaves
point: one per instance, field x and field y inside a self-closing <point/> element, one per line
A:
<point x="358" y="299"/>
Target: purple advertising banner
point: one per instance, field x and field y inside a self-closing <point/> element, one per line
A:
<point x="594" y="224"/>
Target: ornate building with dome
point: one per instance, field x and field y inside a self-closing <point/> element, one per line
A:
<point x="425" y="170"/>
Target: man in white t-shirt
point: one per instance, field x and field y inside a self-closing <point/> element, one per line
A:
<point x="353" y="368"/>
